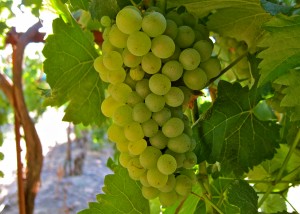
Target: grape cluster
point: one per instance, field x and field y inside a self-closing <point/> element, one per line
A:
<point x="153" y="63"/>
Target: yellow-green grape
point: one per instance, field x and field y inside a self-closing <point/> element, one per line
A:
<point x="115" y="133"/>
<point x="133" y="131"/>
<point x="185" y="36"/>
<point x="124" y="159"/>
<point x="183" y="185"/>
<point x="141" y="113"/>
<point x="180" y="157"/>
<point x="137" y="147"/>
<point x="154" y="24"/>
<point x="195" y="79"/>
<point x="137" y="73"/>
<point x="101" y="69"/>
<point x="204" y="48"/>
<point x="117" y="38"/>
<point x="135" y="170"/>
<point x="129" y="59"/>
<point x="109" y="105"/>
<point x="105" y="21"/>
<point x="190" y="173"/>
<point x="108" y="47"/>
<point x="163" y="46"/>
<point x="156" y="178"/>
<point x="142" y="88"/>
<point x="150" y="128"/>
<point x="173" y="15"/>
<point x="180" y="144"/>
<point x="173" y="70"/>
<point x="129" y="20"/>
<point x="166" y="164"/>
<point x="105" y="33"/>
<point x="129" y="81"/>
<point x="189" y="58"/>
<point x="138" y="43"/>
<point x="151" y="64"/>
<point x="159" y="140"/>
<point x="122" y="146"/>
<point x="177" y="112"/>
<point x="169" y="185"/>
<point x="155" y="102"/>
<point x="116" y="76"/>
<point x="173" y="127"/>
<point x="175" y="55"/>
<point x="149" y="192"/>
<point x="144" y="180"/>
<point x="120" y="92"/>
<point x="134" y="98"/>
<point x="168" y="198"/>
<point x="159" y="84"/>
<point x="188" y="19"/>
<point x="149" y="157"/>
<point x="171" y="29"/>
<point x="123" y="115"/>
<point x="174" y="97"/>
<point x="190" y="160"/>
<point x="212" y="67"/>
<point x="112" y="60"/>
<point x="162" y="116"/>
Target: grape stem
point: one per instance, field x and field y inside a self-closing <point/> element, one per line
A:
<point x="133" y="3"/>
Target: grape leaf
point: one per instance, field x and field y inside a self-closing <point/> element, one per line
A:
<point x="239" y="19"/>
<point x="80" y="4"/>
<point x="122" y="195"/>
<point x="237" y="138"/>
<point x="283" y="47"/>
<point x="273" y="204"/>
<point x="34" y="4"/>
<point x="242" y="195"/>
<point x="70" y="54"/>
<point x="99" y="8"/>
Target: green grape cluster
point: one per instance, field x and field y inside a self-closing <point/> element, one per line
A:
<point x="152" y="63"/>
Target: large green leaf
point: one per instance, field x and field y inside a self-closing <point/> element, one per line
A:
<point x="237" y="138"/>
<point x="99" y="8"/>
<point x="70" y="54"/>
<point x="283" y="47"/>
<point x="122" y="195"/>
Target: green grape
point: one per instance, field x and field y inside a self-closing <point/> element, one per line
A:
<point x="173" y="127"/>
<point x="149" y="157"/>
<point x="154" y="24"/>
<point x="156" y="178"/>
<point x="179" y="157"/>
<point x="190" y="173"/>
<point x="189" y="58"/>
<point x="180" y="144"/>
<point x="101" y="69"/>
<point x="173" y="15"/>
<point x="142" y="88"/>
<point x="133" y="131"/>
<point x="124" y="159"/>
<point x="183" y="185"/>
<point x="105" y="21"/>
<point x="149" y="192"/>
<point x="129" y="20"/>
<point x="129" y="59"/>
<point x="162" y="116"/>
<point x="190" y="160"/>
<point x="173" y="70"/>
<point x="112" y="60"/>
<point x="171" y="29"/>
<point x="137" y="147"/>
<point x="166" y="164"/>
<point x="159" y="84"/>
<point x="170" y="185"/>
<point x="135" y="170"/>
<point x="108" y="47"/>
<point x="177" y="112"/>
<point x="137" y="73"/>
<point x="185" y="36"/>
<point x="129" y="81"/>
<point x="163" y="46"/>
<point x="120" y="92"/>
<point x="201" y="32"/>
<point x="175" y="55"/>
<point x="188" y="19"/>
<point x="144" y="180"/>
<point x="134" y="98"/>
<point x="168" y="198"/>
<point x="155" y="102"/>
<point x="138" y="43"/>
<point x="150" y="128"/>
<point x="212" y="67"/>
<point x="122" y="146"/>
<point x="115" y="133"/>
<point x="159" y="140"/>
<point x="105" y="33"/>
<point x="195" y="79"/>
<point x="151" y="64"/>
<point x="204" y="48"/>
<point x="116" y="76"/>
<point x="141" y="113"/>
<point x="117" y="38"/>
<point x="122" y="115"/>
<point x="109" y="105"/>
<point x="174" y="97"/>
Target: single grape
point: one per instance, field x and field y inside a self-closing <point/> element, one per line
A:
<point x="149" y="157"/>
<point x="156" y="178"/>
<point x="170" y="185"/>
<point x="159" y="140"/>
<point x="142" y="88"/>
<point x="177" y="112"/>
<point x="166" y="164"/>
<point x="155" y="102"/>
<point x="137" y="147"/>
<point x="175" y="55"/>
<point x="120" y="92"/>
<point x="150" y="128"/>
<point x="129" y="81"/>
<point x="138" y="43"/>
<point x="168" y="198"/>
<point x="212" y="67"/>
<point x="162" y="116"/>
<point x="173" y="15"/>
<point x="133" y="131"/>
<point x="171" y="29"/>
<point x="124" y="159"/>
<point x="105" y="21"/>
<point x="195" y="79"/>
<point x="135" y="170"/>
<point x="129" y="59"/>
<point x="180" y="144"/>
<point x="163" y="46"/>
<point x="141" y="113"/>
<point x="117" y="38"/>
<point x="174" y="97"/>
<point x="109" y="105"/>
<point x="137" y="73"/>
<point x="173" y="127"/>
<point x="108" y="47"/>
<point x="112" y="60"/>
<point x="115" y="133"/>
<point x="105" y="33"/>
<point x="144" y="180"/>
<point x="190" y="173"/>
<point x="185" y="36"/>
<point x="189" y="58"/>
<point x="179" y="157"/>
<point x="151" y="64"/>
<point x="204" y="48"/>
<point x="154" y="24"/>
<point x="129" y="20"/>
<point x="134" y="98"/>
<point x="190" y="160"/>
<point x="99" y="66"/>
<point x="149" y="192"/>
<point x="122" y="146"/>
<point x="183" y="185"/>
<point x="172" y="69"/>
<point x="159" y="84"/>
<point x="116" y="76"/>
<point x="123" y="115"/>
<point x="188" y="19"/>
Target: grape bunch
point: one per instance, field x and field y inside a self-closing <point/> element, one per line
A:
<point x="153" y="63"/>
